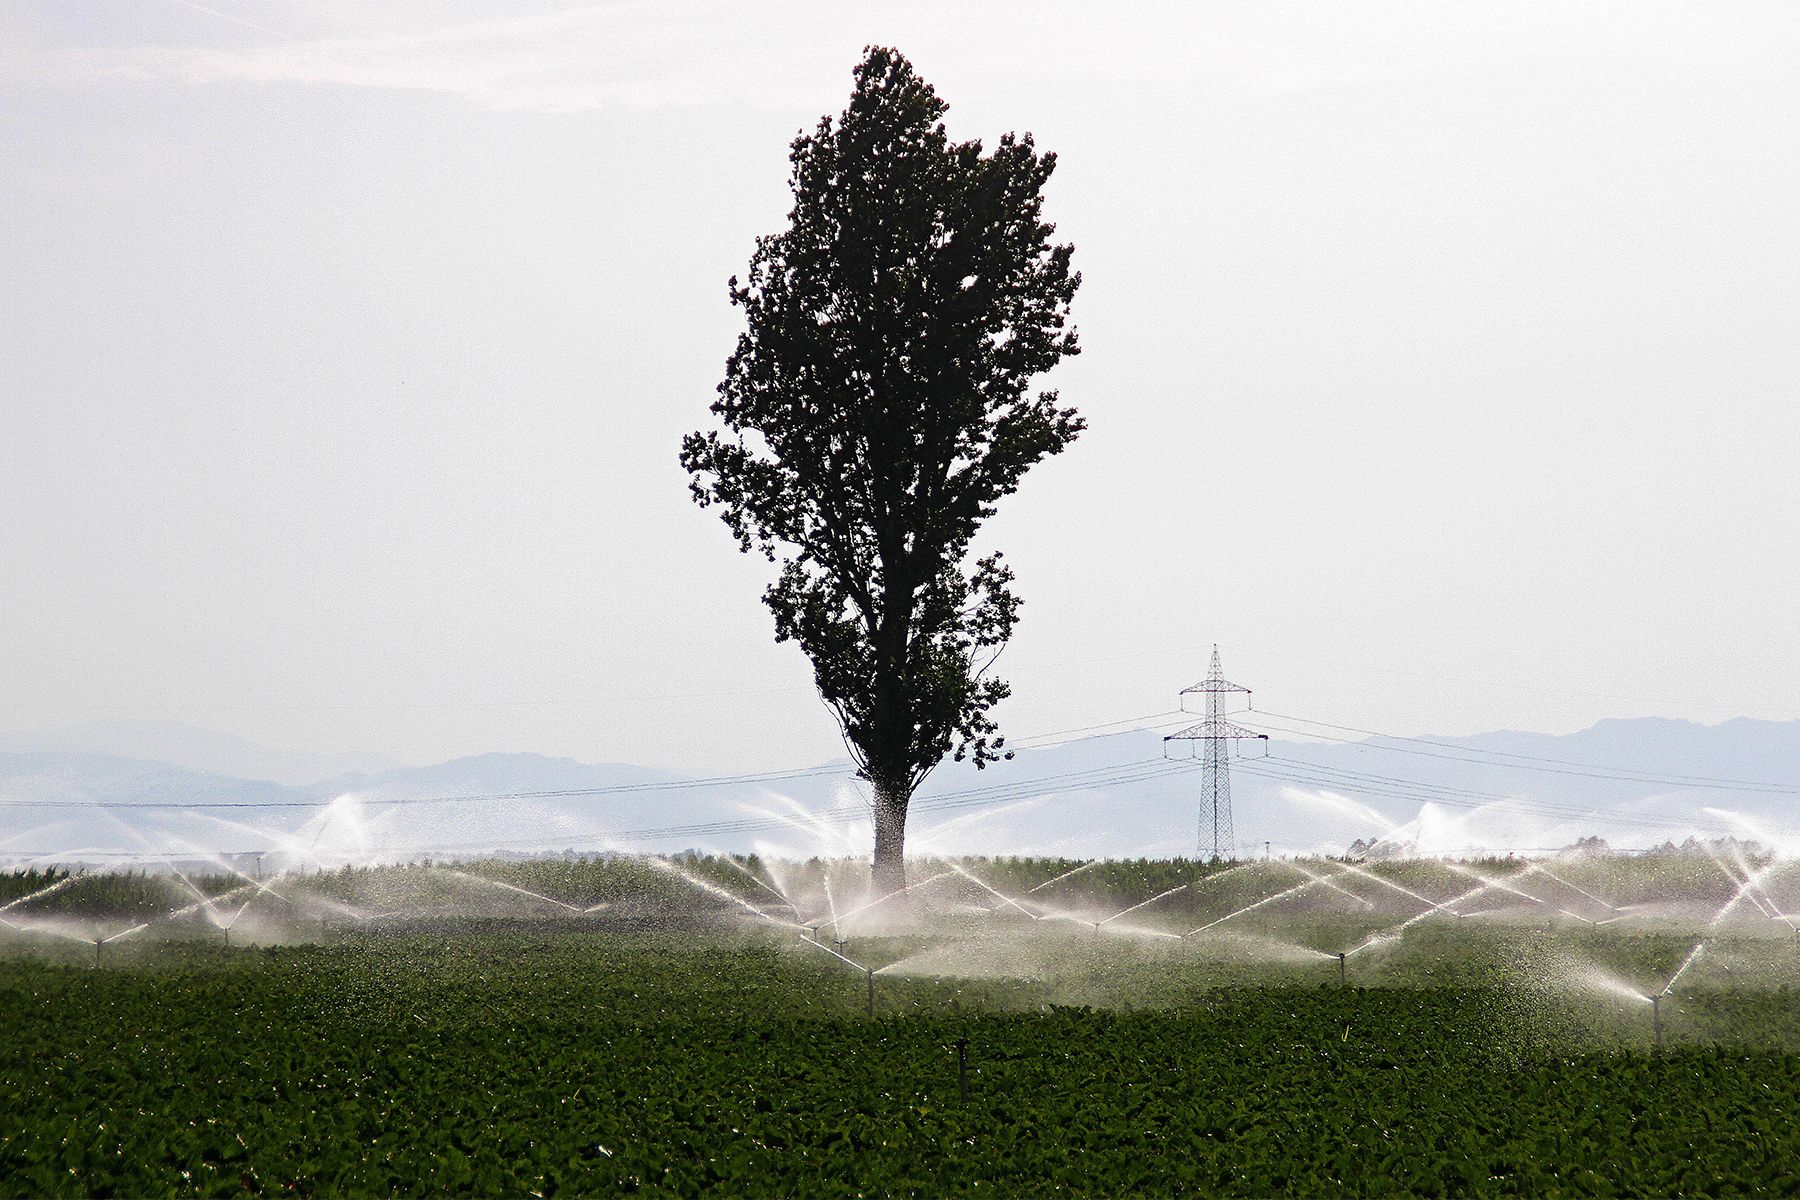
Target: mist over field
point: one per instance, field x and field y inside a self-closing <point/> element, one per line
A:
<point x="1634" y="783"/>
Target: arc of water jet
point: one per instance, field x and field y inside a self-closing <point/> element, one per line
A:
<point x="1449" y="905"/>
<point x="1737" y="881"/>
<point x="1394" y="931"/>
<point x="58" y="886"/>
<point x="824" y="830"/>
<point x="124" y="933"/>
<point x="830" y="900"/>
<point x="1754" y="881"/>
<point x="284" y="843"/>
<point x="1755" y="830"/>
<point x="1356" y="870"/>
<point x="958" y="868"/>
<point x="715" y="890"/>
<point x="1298" y="887"/>
<point x="207" y="903"/>
<point x="1078" y="870"/>
<point x="219" y="860"/>
<point x="1324" y="881"/>
<point x="169" y="862"/>
<point x="1503" y="886"/>
<point x="509" y="887"/>
<point x="1546" y="871"/>
<point x="1682" y="969"/>
<point x="843" y="958"/>
<point x="758" y="880"/>
<point x="53" y="931"/>
<point x="1758" y="896"/>
<point x="926" y="838"/>
<point x="1132" y="930"/>
<point x="845" y="916"/>
<point x="1141" y="904"/>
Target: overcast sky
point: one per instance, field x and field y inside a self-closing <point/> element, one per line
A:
<point x="1440" y="362"/>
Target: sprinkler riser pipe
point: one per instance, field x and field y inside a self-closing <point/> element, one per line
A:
<point x="1343" y="968"/>
<point x="870" y="975"/>
<point x="1656" y="1021"/>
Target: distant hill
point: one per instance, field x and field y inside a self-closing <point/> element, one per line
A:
<point x="1634" y="783"/>
<point x="204" y="750"/>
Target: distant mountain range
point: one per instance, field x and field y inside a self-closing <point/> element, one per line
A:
<point x="119" y="790"/>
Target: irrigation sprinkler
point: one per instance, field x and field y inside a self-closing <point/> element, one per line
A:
<point x="1343" y="968"/>
<point x="962" y="1070"/>
<point x="98" y="944"/>
<point x="868" y="972"/>
<point x="1656" y="1020"/>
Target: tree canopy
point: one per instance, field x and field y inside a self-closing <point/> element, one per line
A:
<point x="877" y="406"/>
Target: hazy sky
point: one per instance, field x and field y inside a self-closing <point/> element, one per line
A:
<point x="1441" y="362"/>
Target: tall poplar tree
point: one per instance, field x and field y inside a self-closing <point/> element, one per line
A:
<point x="878" y="405"/>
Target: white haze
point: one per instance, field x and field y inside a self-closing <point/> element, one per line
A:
<point x="1439" y="363"/>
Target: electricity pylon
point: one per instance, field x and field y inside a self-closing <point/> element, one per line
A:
<point x="1215" y="774"/>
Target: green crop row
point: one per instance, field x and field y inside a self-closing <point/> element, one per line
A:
<point x="553" y="1062"/>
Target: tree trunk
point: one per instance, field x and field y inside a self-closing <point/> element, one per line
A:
<point x="890" y="836"/>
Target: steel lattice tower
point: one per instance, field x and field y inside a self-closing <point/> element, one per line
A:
<point x="1217" y="733"/>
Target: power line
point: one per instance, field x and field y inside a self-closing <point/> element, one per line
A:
<point x="547" y="794"/>
<point x="1622" y="775"/>
<point x="1664" y="776"/>
<point x="976" y="797"/>
<point x="550" y="794"/>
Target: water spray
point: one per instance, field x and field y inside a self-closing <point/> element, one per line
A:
<point x="758" y="880"/>
<point x="512" y="887"/>
<point x="1298" y="887"/>
<point x="1687" y="962"/>
<point x="58" y="886"/>
<point x="1140" y="904"/>
<point x="862" y="908"/>
<point x="1326" y="881"/>
<point x="714" y="889"/>
<point x="1406" y="891"/>
<point x="1502" y="885"/>
<point x="997" y="893"/>
<point x="868" y="972"/>
<point x="1059" y="878"/>
<point x="1549" y="874"/>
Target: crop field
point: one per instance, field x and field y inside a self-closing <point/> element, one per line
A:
<point x="567" y="1028"/>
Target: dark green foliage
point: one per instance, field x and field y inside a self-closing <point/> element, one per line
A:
<point x="879" y="405"/>
<point x="558" y="1063"/>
